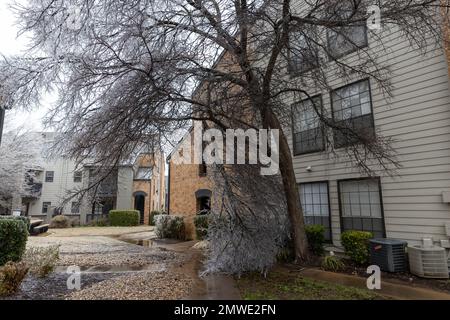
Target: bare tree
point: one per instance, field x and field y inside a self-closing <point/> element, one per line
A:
<point x="125" y="71"/>
<point x="21" y="159"/>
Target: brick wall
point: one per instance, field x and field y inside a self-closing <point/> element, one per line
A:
<point x="184" y="182"/>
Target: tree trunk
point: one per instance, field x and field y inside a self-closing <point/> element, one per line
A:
<point x="295" y="211"/>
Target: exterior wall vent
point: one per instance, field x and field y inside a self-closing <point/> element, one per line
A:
<point x="428" y="262"/>
<point x="388" y="254"/>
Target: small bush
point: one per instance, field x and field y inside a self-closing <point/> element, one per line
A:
<point x="41" y="261"/>
<point x="356" y="245"/>
<point x="60" y="222"/>
<point x="26" y="220"/>
<point x="11" y="276"/>
<point x="170" y="227"/>
<point x="332" y="263"/>
<point x="316" y="238"/>
<point x="152" y="216"/>
<point x="13" y="240"/>
<point x="124" y="218"/>
<point x="201" y="226"/>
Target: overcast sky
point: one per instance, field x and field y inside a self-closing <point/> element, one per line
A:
<point x="11" y="45"/>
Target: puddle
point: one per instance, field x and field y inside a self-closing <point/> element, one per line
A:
<point x="150" y="242"/>
<point x="117" y="269"/>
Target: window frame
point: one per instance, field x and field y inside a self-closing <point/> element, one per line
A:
<point x="52" y="176"/>
<point x="72" y="207"/>
<point x="49" y="204"/>
<point x="341" y="217"/>
<point x="76" y="175"/>
<point x="293" y="68"/>
<point x="345" y="53"/>
<point x="327" y="182"/>
<point x="333" y="112"/>
<point x="321" y="128"/>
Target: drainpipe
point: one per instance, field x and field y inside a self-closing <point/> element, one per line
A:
<point x="2" y="119"/>
<point x="168" y="188"/>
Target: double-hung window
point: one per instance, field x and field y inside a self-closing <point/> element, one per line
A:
<point x="303" y="53"/>
<point x="46" y="206"/>
<point x="346" y="39"/>
<point x="77" y="176"/>
<point x="75" y="209"/>
<point x="352" y="112"/>
<point x="361" y="206"/>
<point x="308" y="133"/>
<point x="315" y="205"/>
<point x="49" y="176"/>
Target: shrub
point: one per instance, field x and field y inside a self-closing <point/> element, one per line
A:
<point x="124" y="218"/>
<point x="316" y="238"/>
<point x="41" y="261"/>
<point x="11" y="276"/>
<point x="170" y="227"/>
<point x="60" y="222"/>
<point x="26" y="220"/>
<point x="356" y="245"/>
<point x="332" y="263"/>
<point x="152" y="216"/>
<point x="201" y="226"/>
<point x="13" y="239"/>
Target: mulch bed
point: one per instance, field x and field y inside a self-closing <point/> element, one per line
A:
<point x="404" y="278"/>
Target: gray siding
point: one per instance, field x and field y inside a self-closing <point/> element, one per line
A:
<point x="418" y="118"/>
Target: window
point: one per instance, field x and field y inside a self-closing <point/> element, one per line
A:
<point x="49" y="175"/>
<point x="77" y="176"/>
<point x="345" y="40"/>
<point x="75" y="207"/>
<point x="361" y="206"/>
<point x="144" y="173"/>
<point x="303" y="53"/>
<point x="308" y="131"/>
<point x="45" y="206"/>
<point x="202" y="169"/>
<point x="315" y="205"/>
<point x="352" y="110"/>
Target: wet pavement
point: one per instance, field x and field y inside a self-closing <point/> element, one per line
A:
<point x="207" y="287"/>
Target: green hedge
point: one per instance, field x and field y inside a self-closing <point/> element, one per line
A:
<point x="316" y="238"/>
<point x="124" y="218"/>
<point x="201" y="226"/>
<point x="356" y="245"/>
<point x="152" y="216"/>
<point x="26" y="220"/>
<point x="13" y="239"/>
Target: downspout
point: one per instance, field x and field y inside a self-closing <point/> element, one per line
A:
<point x="168" y="188"/>
<point x="2" y="119"/>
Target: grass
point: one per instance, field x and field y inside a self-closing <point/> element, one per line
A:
<point x="285" y="285"/>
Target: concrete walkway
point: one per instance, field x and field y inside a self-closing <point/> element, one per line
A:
<point x="389" y="289"/>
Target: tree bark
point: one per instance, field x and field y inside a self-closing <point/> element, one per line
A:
<point x="295" y="212"/>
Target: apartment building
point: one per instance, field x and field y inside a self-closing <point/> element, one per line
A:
<point x="412" y="204"/>
<point x="135" y="186"/>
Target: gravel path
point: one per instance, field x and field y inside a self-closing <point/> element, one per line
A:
<point x="138" y="286"/>
<point x="111" y="268"/>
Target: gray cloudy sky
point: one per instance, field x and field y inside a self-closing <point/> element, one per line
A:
<point x="10" y="45"/>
